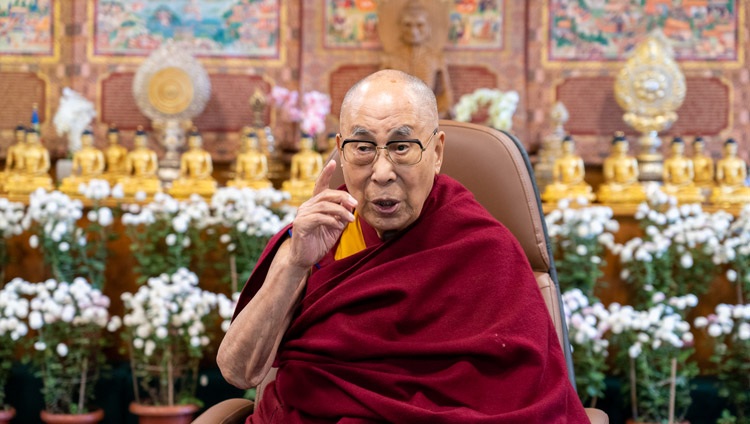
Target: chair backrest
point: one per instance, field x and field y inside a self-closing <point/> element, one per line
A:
<point x="495" y="167"/>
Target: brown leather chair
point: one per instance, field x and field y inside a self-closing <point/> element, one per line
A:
<point x="495" y="167"/>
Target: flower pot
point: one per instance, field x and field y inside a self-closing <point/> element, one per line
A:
<point x="6" y="415"/>
<point x="174" y="414"/>
<point x="91" y="417"/>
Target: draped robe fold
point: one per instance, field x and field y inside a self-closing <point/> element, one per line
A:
<point x="443" y="323"/>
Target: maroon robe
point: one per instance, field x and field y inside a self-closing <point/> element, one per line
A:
<point x="444" y="323"/>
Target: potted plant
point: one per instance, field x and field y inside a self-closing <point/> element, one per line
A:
<point x="728" y="329"/>
<point x="168" y="326"/>
<point x="579" y="238"/>
<point x="653" y="350"/>
<point x="71" y="247"/>
<point x="13" y="311"/>
<point x="67" y="323"/>
<point x="11" y="214"/>
<point x="248" y="219"/>
<point x="587" y="328"/>
<point x="678" y="253"/>
<point x="167" y="234"/>
<point x="735" y="251"/>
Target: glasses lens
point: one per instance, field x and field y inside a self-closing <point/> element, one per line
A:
<point x="359" y="153"/>
<point x="404" y="152"/>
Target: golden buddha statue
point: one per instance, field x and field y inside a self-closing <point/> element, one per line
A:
<point x="678" y="175"/>
<point x="116" y="155"/>
<point x="731" y="172"/>
<point x="306" y="165"/>
<point x="567" y="173"/>
<point x="33" y="166"/>
<point x="88" y="163"/>
<point x="196" y="167"/>
<point x="141" y="167"/>
<point x="703" y="165"/>
<point x="252" y="165"/>
<point x="14" y="158"/>
<point x="621" y="175"/>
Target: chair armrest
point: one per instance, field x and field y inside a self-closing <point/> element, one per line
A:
<point x="230" y="411"/>
<point x="597" y="416"/>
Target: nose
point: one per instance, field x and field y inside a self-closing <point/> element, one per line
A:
<point x="382" y="169"/>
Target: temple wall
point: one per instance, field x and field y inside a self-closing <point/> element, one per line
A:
<point x="715" y="106"/>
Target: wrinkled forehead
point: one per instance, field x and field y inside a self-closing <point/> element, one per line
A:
<point x="382" y="99"/>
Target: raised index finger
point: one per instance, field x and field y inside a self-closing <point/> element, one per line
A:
<point x="324" y="180"/>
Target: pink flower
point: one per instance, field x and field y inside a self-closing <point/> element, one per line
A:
<point x="287" y="101"/>
<point x="312" y="116"/>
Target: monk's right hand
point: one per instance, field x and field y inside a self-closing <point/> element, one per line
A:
<point x="320" y="220"/>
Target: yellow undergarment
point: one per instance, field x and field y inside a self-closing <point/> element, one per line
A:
<point x="352" y="239"/>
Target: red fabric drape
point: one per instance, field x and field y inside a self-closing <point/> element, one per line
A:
<point x="444" y="323"/>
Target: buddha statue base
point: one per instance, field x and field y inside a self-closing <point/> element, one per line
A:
<point x="71" y="185"/>
<point x="685" y="194"/>
<point x="113" y="178"/>
<point x="183" y="188"/>
<point x="300" y="191"/>
<point x="730" y="195"/>
<point x="132" y="186"/>
<point x="253" y="184"/>
<point x="616" y="193"/>
<point x="555" y="192"/>
<point x="3" y="181"/>
<point x="26" y="184"/>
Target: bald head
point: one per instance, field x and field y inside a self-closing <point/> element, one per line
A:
<point x="410" y="88"/>
<point x="393" y="111"/>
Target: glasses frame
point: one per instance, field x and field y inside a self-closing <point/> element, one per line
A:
<point x="387" y="154"/>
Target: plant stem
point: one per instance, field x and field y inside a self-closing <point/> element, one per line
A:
<point x="82" y="389"/>
<point x="633" y="397"/>
<point x="133" y="373"/>
<point x="170" y="378"/>
<point x="233" y="272"/>
<point x="739" y="294"/>
<point x="672" y="389"/>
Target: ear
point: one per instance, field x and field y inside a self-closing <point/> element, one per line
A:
<point x="439" y="148"/>
<point x="339" y="139"/>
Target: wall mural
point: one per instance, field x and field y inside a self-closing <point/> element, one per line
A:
<point x="475" y="24"/>
<point x="27" y="27"/>
<point x="217" y="29"/>
<point x="351" y="24"/>
<point x="600" y="30"/>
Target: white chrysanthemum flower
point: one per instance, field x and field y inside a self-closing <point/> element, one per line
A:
<point x="714" y="330"/>
<point x="731" y="275"/>
<point x="62" y="349"/>
<point x="635" y="350"/>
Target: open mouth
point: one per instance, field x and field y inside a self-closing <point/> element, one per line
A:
<point x="385" y="205"/>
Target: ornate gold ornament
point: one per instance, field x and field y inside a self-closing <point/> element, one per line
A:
<point x="171" y="87"/>
<point x="650" y="88"/>
<point x="170" y="90"/>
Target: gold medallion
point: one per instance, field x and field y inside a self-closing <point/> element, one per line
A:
<point x="170" y="90"/>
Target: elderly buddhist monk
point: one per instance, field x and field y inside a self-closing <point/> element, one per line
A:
<point x="397" y="297"/>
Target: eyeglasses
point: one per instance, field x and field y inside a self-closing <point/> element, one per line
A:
<point x="399" y="152"/>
